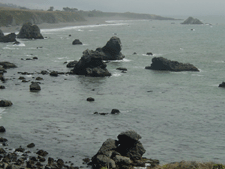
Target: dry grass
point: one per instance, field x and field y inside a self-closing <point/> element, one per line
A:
<point x="191" y="165"/>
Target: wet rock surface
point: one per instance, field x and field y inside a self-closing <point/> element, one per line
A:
<point x="91" y="64"/>
<point x="126" y="152"/>
<point x="160" y="63"/>
<point x="29" y="31"/>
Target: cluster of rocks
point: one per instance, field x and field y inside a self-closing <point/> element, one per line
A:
<point x="28" y="31"/>
<point x="92" y="64"/>
<point x="160" y="63"/>
<point x="22" y="158"/>
<point x="126" y="152"/>
<point x="114" y="111"/>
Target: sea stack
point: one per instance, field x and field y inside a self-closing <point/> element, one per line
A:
<point x="192" y="20"/>
<point x="29" y="31"/>
<point x="91" y="64"/>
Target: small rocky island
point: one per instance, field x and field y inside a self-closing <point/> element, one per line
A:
<point x="192" y="20"/>
<point x="29" y="31"/>
<point x="126" y="152"/>
<point x="160" y="63"/>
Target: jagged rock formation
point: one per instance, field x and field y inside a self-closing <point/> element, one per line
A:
<point x="112" y="50"/>
<point x="125" y="153"/>
<point x="160" y="63"/>
<point x="192" y="20"/>
<point x="29" y="31"/>
<point x="91" y="64"/>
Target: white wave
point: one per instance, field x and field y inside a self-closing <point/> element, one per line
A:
<point x="80" y="30"/>
<point x="124" y="60"/>
<point x="2" y="110"/>
<point x="116" y="74"/>
<point x="219" y="61"/>
<point x="10" y="48"/>
<point x="62" y="58"/>
<point x="80" y="27"/>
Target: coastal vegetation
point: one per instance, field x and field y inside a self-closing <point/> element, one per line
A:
<point x="17" y="16"/>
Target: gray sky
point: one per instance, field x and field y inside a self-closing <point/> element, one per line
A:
<point x="158" y="7"/>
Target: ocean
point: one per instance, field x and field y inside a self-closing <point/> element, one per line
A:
<point x="180" y="115"/>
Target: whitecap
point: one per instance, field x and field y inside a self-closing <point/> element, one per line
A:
<point x="123" y="60"/>
<point x="62" y="58"/>
<point x="218" y="61"/>
<point x="80" y="27"/>
<point x="80" y="30"/>
<point x="20" y="44"/>
<point x="116" y="74"/>
<point x="2" y="110"/>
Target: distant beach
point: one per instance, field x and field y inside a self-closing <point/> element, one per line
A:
<point x="89" y="21"/>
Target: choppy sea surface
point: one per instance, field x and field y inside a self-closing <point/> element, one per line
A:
<point x="180" y="115"/>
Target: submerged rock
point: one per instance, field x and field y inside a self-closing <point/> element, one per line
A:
<point x="91" y="64"/>
<point x="160" y="63"/>
<point x="5" y="103"/>
<point x="29" y="31"/>
<point x="192" y="20"/>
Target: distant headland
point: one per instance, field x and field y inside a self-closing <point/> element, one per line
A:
<point x="15" y="16"/>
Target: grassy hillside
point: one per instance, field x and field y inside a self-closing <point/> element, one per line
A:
<point x="129" y="15"/>
<point x="13" y="17"/>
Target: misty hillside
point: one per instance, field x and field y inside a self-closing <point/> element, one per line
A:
<point x="14" y="15"/>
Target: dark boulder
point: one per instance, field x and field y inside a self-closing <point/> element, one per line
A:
<point x="1" y="34"/>
<point x="192" y="20"/>
<point x="31" y="145"/>
<point x="54" y="73"/>
<point x="112" y="50"/>
<point x="71" y="64"/>
<point x="149" y="53"/>
<point x="91" y="64"/>
<point x="115" y="111"/>
<point x="5" y="103"/>
<point x="77" y="42"/>
<point x="42" y="153"/>
<point x="222" y="85"/>
<point x="2" y="129"/>
<point x="34" y="87"/>
<point x="29" y="31"/>
<point x="160" y="63"/>
<point x="2" y="87"/>
<point x="90" y="99"/>
<point x="8" y="38"/>
<point x="7" y="65"/>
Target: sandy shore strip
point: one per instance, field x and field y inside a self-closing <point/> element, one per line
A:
<point x="89" y="21"/>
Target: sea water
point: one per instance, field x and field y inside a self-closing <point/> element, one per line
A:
<point x="180" y="115"/>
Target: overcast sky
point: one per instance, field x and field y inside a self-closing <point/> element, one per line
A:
<point x="158" y="7"/>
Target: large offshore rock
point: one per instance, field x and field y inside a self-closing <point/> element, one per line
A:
<point x="7" y="65"/>
<point x="91" y="64"/>
<point x="29" y="31"/>
<point x="192" y="20"/>
<point x="112" y="50"/>
<point x="160" y="63"/>
<point x="5" y="103"/>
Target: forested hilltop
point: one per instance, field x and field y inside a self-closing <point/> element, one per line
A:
<point x="13" y="16"/>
